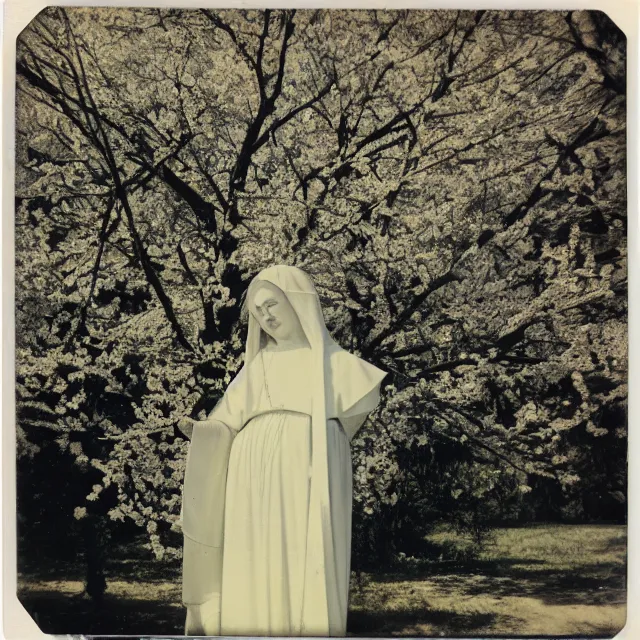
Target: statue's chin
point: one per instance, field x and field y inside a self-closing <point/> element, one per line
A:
<point x="276" y="334"/>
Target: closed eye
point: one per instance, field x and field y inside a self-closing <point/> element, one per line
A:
<point x="267" y="305"/>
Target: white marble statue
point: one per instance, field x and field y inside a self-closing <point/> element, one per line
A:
<point x="267" y="494"/>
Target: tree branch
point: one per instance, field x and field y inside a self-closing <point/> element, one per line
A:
<point x="121" y="193"/>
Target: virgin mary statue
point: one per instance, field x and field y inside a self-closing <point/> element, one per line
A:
<point x="266" y="512"/>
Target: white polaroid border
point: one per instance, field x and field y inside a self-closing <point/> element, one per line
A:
<point x="17" y="624"/>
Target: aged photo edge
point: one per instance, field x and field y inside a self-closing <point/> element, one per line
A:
<point x="16" y="622"/>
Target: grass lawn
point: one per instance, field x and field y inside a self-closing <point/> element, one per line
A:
<point x="546" y="579"/>
<point x="540" y="580"/>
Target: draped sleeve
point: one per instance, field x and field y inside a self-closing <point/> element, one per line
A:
<point x="355" y="389"/>
<point x="207" y="462"/>
<point x="203" y="499"/>
<point x="203" y="511"/>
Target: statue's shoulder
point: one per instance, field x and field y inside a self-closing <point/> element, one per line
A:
<point x="240" y="379"/>
<point x="352" y="380"/>
<point x="345" y="363"/>
<point x="336" y="352"/>
<point x="341" y="358"/>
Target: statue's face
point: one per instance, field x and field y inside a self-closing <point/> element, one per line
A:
<point x="275" y="314"/>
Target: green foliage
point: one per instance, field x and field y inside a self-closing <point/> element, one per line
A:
<point x="453" y="181"/>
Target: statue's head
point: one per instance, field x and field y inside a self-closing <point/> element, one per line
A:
<point x="281" y="304"/>
<point x="269" y="305"/>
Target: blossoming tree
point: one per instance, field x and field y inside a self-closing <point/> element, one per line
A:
<point x="454" y="181"/>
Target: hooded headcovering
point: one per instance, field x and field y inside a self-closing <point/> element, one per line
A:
<point x="339" y="379"/>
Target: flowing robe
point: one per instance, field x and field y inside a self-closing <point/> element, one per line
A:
<point x="246" y="498"/>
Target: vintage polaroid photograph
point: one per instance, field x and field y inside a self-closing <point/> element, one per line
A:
<point x="321" y="322"/>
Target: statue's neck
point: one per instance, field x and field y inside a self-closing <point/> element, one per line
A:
<point x="287" y="345"/>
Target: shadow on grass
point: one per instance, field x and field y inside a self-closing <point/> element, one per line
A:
<point x="59" y="614"/>
<point x="597" y="583"/>
<point x="146" y="570"/>
<point x="45" y="564"/>
<point x="591" y="584"/>
<point x="388" y="623"/>
<point x="124" y="560"/>
<point x="615" y="544"/>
